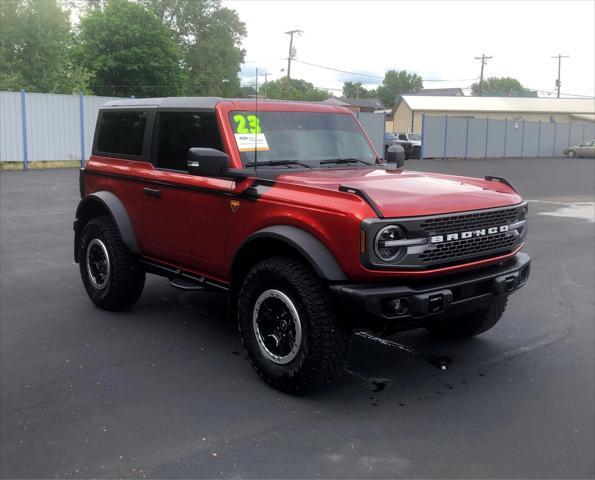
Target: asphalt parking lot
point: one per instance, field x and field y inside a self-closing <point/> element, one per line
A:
<point x="164" y="390"/>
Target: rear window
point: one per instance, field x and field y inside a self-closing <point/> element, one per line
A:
<point x="122" y="133"/>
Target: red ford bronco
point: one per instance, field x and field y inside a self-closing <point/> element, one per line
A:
<point x="287" y="207"/>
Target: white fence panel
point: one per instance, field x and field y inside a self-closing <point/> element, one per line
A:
<point x="445" y="137"/>
<point x="54" y="128"/>
<point x="374" y="124"/>
<point x="11" y="141"/>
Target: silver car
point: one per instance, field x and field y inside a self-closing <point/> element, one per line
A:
<point x="582" y="150"/>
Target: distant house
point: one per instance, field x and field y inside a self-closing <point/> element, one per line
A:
<point x="357" y="104"/>
<point x="409" y="110"/>
<point x="439" y="92"/>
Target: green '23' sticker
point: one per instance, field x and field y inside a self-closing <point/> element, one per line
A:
<point x="247" y="123"/>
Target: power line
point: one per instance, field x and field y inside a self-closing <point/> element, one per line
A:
<point x="378" y="76"/>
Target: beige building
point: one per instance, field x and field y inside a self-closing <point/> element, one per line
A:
<point x="409" y="110"/>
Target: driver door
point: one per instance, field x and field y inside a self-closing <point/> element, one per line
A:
<point x="184" y="217"/>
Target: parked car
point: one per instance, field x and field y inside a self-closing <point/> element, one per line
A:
<point x="414" y="139"/>
<point x="287" y="208"/>
<point x="582" y="150"/>
<point x="392" y="139"/>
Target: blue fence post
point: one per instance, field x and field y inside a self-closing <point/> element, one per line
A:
<point x="487" y="136"/>
<point x="569" y="131"/>
<point x="505" y="135"/>
<point x="555" y="135"/>
<point x="384" y="132"/>
<point x="24" y="130"/>
<point x="539" y="140"/>
<point x="523" y="140"/>
<point x="466" y="138"/>
<point x="583" y="140"/>
<point x="445" y="135"/>
<point x="82" y="124"/>
<point x="423" y="128"/>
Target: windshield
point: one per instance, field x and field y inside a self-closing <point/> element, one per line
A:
<point x="390" y="136"/>
<point x="414" y="136"/>
<point x="299" y="137"/>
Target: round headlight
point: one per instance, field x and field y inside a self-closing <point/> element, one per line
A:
<point x="382" y="243"/>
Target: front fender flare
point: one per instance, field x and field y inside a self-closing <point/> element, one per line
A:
<point x="105" y="202"/>
<point x="313" y="250"/>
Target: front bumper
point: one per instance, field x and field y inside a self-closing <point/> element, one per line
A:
<point x="401" y="307"/>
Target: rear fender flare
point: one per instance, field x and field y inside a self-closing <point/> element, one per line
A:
<point x="109" y="203"/>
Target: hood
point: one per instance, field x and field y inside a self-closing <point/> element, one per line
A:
<point x="403" y="193"/>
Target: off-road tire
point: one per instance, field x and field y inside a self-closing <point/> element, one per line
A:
<point x="126" y="278"/>
<point x="571" y="154"/>
<point x="471" y="324"/>
<point x="325" y="345"/>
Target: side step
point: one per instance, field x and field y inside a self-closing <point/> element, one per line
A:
<point x="180" y="279"/>
<point x="186" y="285"/>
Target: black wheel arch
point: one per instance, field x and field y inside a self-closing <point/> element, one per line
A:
<point x="105" y="203"/>
<point x="304" y="243"/>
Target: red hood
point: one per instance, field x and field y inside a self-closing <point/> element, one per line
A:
<point x="403" y="193"/>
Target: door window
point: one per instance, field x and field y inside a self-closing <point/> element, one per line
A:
<point x="178" y="132"/>
<point x="121" y="133"/>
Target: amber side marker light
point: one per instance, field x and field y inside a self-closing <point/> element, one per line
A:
<point x="362" y="241"/>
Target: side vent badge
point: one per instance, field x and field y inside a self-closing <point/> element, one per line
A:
<point x="235" y="204"/>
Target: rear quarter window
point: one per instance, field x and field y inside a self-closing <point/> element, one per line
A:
<point x="121" y="133"/>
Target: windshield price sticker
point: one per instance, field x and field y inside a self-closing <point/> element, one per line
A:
<point x="248" y="142"/>
<point x="247" y="123"/>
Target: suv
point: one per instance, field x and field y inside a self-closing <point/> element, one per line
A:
<point x="391" y="139"/>
<point x="287" y="207"/>
<point x="414" y="139"/>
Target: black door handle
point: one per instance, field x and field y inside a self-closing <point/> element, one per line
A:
<point x="152" y="192"/>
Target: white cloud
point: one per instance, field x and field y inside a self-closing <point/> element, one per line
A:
<point x="437" y="39"/>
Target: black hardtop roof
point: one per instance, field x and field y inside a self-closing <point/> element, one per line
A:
<point x="186" y="102"/>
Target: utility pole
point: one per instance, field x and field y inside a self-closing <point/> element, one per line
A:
<point x="291" y="54"/>
<point x="484" y="59"/>
<point x="266" y="80"/>
<point x="559" y="57"/>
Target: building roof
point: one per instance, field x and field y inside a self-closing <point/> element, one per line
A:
<point x="364" y="102"/>
<point x="583" y="117"/>
<point x="441" y="92"/>
<point x="337" y="101"/>
<point x="498" y="104"/>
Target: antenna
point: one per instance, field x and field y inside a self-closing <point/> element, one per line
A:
<point x="256" y="132"/>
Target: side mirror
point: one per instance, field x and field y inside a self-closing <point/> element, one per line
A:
<point x="208" y="162"/>
<point x="395" y="156"/>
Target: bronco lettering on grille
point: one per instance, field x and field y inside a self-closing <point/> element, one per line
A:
<point x="482" y="232"/>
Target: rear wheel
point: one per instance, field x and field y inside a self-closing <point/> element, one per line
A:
<point x="111" y="275"/>
<point x="471" y="324"/>
<point x="288" y="326"/>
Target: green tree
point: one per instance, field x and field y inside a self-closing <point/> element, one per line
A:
<point x="35" y="48"/>
<point x="502" y="87"/>
<point x="357" y="90"/>
<point x="210" y="38"/>
<point x="396" y="83"/>
<point x="298" y="90"/>
<point x="128" y="51"/>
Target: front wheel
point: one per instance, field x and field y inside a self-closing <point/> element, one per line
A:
<point x="288" y="326"/>
<point x="571" y="153"/>
<point x="111" y="275"/>
<point x="471" y="324"/>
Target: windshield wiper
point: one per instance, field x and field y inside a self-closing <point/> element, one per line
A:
<point x="277" y="162"/>
<point x="343" y="161"/>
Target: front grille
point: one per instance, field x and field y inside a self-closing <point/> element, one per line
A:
<point x="475" y="247"/>
<point x="470" y="247"/>
<point x="470" y="221"/>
